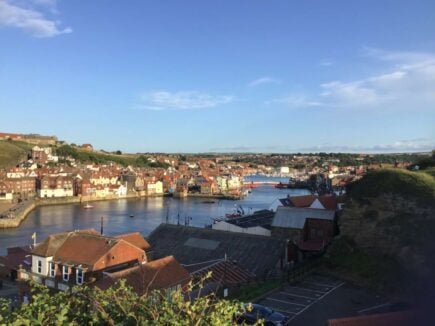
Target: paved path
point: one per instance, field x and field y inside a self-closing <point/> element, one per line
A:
<point x="293" y="300"/>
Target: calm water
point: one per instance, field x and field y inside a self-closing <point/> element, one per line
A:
<point x="148" y="214"/>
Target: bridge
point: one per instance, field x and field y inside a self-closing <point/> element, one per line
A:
<point x="259" y="183"/>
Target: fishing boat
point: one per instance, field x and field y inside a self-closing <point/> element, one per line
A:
<point x="87" y="206"/>
<point x="281" y="185"/>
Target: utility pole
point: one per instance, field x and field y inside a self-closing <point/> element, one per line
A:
<point x="101" y="225"/>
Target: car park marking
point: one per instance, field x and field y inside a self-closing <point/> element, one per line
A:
<point x="309" y="299"/>
<point x="319" y="284"/>
<point x="286" y="302"/>
<point x="325" y="294"/>
<point x="300" y="288"/>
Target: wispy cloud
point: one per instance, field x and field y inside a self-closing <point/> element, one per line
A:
<point x="184" y="100"/>
<point x="411" y="145"/>
<point x="295" y="101"/>
<point x="407" y="83"/>
<point x="30" y="16"/>
<point x="264" y="81"/>
<point x="326" y="63"/>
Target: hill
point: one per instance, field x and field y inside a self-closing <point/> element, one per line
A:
<point x="11" y="153"/>
<point x="386" y="232"/>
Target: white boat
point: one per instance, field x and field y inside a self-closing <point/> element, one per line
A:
<point x="87" y="206"/>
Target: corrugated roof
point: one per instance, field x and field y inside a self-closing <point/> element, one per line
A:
<point x="294" y="218"/>
<point x="222" y="272"/>
<point x="257" y="254"/>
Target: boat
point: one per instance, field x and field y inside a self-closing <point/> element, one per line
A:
<point x="233" y="215"/>
<point x="131" y="216"/>
<point x="281" y="185"/>
<point x="238" y="212"/>
<point x="208" y="201"/>
<point x="87" y="206"/>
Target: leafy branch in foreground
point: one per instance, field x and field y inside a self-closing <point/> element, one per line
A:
<point x="119" y="305"/>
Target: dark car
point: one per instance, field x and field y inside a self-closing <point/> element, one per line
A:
<point x="270" y="317"/>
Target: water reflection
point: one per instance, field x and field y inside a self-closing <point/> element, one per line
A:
<point x="147" y="214"/>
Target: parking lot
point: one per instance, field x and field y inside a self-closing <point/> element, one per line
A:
<point x="292" y="300"/>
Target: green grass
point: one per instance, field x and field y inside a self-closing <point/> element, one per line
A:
<point x="250" y="292"/>
<point x="380" y="273"/>
<point x="11" y="153"/>
<point x="410" y="185"/>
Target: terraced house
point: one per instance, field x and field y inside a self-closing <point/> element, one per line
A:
<point x="75" y="258"/>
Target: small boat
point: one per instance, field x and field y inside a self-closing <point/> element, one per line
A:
<point x="208" y="201"/>
<point x="131" y="216"/>
<point x="233" y="215"/>
<point x="281" y="185"/>
<point x="87" y="206"/>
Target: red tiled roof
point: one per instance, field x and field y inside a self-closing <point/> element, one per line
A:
<point x="329" y="202"/>
<point x="49" y="246"/>
<point x="301" y="201"/>
<point x="85" y="249"/>
<point x="136" y="239"/>
<point x="401" y="318"/>
<point x="158" y="274"/>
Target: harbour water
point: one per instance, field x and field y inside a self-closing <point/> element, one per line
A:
<point x="143" y="215"/>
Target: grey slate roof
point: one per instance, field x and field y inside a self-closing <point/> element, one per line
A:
<point x="294" y="218"/>
<point x="257" y="254"/>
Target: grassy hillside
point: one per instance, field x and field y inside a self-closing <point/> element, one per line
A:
<point x="386" y="232"/>
<point x="11" y="153"/>
<point x="418" y="186"/>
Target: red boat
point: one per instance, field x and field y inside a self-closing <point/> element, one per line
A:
<point x="234" y="215"/>
<point x="281" y="185"/>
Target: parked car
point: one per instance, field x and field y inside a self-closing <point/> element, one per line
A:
<point x="270" y="317"/>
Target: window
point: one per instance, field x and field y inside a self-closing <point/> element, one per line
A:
<point x="40" y="266"/>
<point x="79" y="276"/>
<point x="52" y="269"/>
<point x="65" y="273"/>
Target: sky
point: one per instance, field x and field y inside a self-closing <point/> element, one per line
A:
<point x="221" y="76"/>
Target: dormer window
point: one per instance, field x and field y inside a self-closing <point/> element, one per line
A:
<point x="52" y="269"/>
<point x="65" y="273"/>
<point x="79" y="276"/>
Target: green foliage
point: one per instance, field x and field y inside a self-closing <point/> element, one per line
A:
<point x="143" y="161"/>
<point x="410" y="185"/>
<point x="11" y="153"/>
<point x="118" y="305"/>
<point x="381" y="273"/>
<point x="252" y="291"/>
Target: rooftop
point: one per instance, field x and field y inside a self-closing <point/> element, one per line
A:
<point x="190" y="245"/>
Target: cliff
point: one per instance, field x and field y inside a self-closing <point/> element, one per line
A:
<point x="387" y="231"/>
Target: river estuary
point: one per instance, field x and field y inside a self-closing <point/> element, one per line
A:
<point x="147" y="214"/>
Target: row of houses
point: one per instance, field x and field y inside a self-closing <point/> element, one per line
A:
<point x="308" y="223"/>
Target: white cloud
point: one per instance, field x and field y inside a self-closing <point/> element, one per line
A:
<point x="25" y="15"/>
<point x="264" y="81"/>
<point x="326" y="63"/>
<point x="411" y="145"/>
<point x="296" y="101"/>
<point x="407" y="83"/>
<point x="184" y="100"/>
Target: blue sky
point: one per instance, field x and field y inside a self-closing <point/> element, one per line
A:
<point x="199" y="76"/>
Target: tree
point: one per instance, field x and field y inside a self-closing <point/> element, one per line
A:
<point x="118" y="305"/>
<point x="118" y="152"/>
